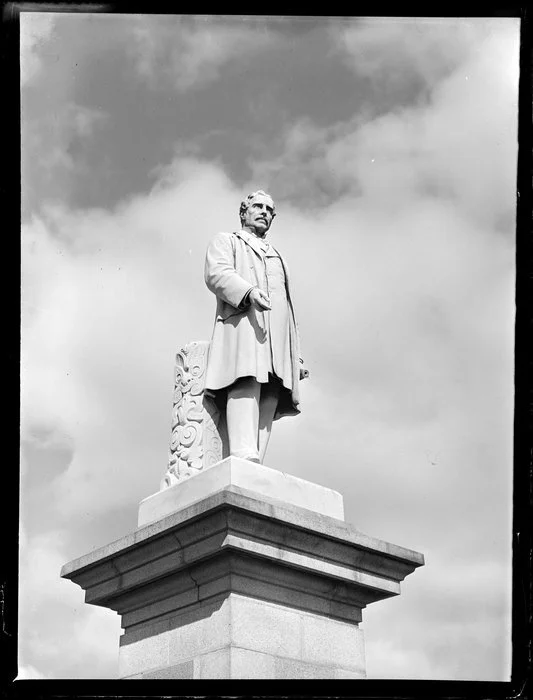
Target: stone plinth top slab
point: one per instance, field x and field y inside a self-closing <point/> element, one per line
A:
<point x="257" y="478"/>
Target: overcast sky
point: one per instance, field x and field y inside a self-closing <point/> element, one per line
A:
<point x="389" y="147"/>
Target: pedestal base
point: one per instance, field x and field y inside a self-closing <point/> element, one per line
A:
<point x="242" y="585"/>
<point x="236" y="636"/>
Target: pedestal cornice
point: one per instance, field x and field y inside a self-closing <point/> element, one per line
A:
<point x="261" y="548"/>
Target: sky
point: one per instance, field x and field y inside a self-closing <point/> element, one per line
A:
<point x="389" y="146"/>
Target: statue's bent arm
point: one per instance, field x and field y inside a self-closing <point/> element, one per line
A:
<point x="220" y="275"/>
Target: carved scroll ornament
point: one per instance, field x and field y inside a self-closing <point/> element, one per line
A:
<point x="195" y="442"/>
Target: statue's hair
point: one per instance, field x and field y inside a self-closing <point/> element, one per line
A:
<point x="246" y="203"/>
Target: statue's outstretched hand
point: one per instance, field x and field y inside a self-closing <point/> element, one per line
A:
<point x="259" y="300"/>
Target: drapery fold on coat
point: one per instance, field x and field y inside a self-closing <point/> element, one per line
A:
<point x="240" y="344"/>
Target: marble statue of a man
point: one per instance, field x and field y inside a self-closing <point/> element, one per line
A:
<point x="254" y="360"/>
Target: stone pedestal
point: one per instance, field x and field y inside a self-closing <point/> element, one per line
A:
<point x="242" y="571"/>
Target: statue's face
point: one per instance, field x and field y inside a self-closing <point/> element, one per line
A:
<point x="259" y="214"/>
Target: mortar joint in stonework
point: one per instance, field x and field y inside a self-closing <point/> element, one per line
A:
<point x="188" y="569"/>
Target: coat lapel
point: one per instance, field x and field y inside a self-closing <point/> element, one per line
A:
<point x="250" y="240"/>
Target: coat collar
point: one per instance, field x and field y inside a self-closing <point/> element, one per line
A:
<point x="252" y="241"/>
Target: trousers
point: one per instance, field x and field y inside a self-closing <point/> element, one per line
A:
<point x="250" y="410"/>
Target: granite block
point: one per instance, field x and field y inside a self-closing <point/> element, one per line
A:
<point x="348" y="673"/>
<point x="143" y="655"/>
<point x="214" y="665"/>
<point x="205" y="629"/>
<point x="261" y="626"/>
<point x="332" y="642"/>
<point x="251" y="664"/>
<point x="294" y="669"/>
<point x="182" y="671"/>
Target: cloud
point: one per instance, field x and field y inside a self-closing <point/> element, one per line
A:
<point x="59" y="139"/>
<point x="59" y="607"/>
<point x="393" y="52"/>
<point x="458" y="146"/>
<point x="55" y="147"/>
<point x="189" y="52"/>
<point x="35" y="29"/>
<point x="468" y="606"/>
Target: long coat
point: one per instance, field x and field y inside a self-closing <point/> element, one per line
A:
<point x="234" y="263"/>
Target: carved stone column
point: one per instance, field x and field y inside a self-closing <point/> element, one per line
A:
<point x="199" y="435"/>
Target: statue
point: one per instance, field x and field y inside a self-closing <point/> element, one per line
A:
<point x="228" y="392"/>
<point x="254" y="364"/>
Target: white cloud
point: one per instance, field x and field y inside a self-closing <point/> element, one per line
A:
<point x="457" y="605"/>
<point x="189" y="52"/>
<point x="35" y="29"/>
<point x="398" y="49"/>
<point x="388" y="659"/>
<point x="52" y="610"/>
<point x="458" y="146"/>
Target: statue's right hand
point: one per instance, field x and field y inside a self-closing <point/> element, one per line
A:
<point x="259" y="300"/>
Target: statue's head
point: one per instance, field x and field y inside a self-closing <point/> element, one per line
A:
<point x="257" y="211"/>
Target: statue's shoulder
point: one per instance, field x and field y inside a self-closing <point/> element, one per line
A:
<point x="234" y="238"/>
<point x="221" y="238"/>
<point x="227" y="241"/>
<point x="224" y="235"/>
